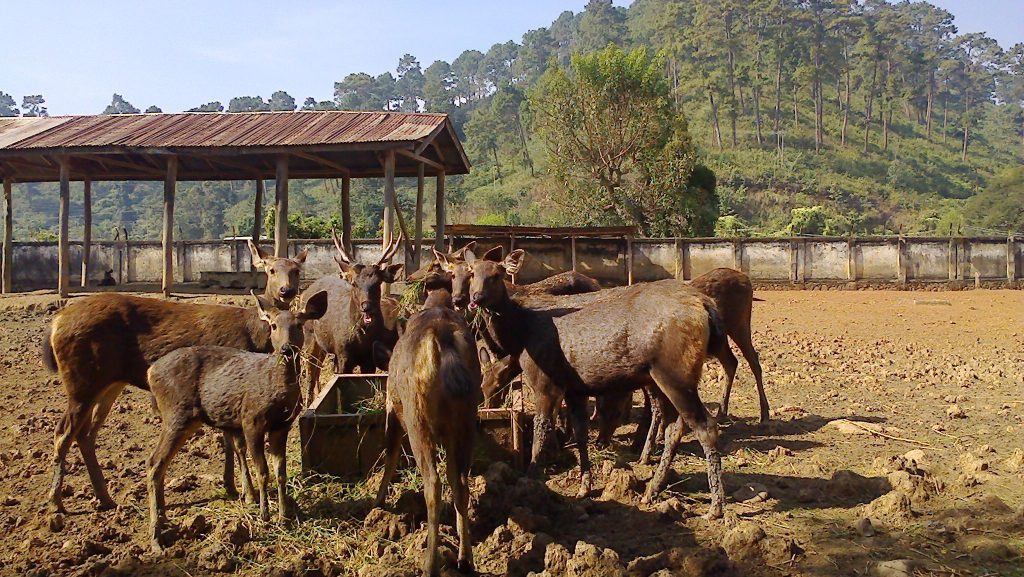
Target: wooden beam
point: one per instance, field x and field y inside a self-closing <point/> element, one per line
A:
<point x="405" y="231"/>
<point x="629" y="260"/>
<point x="8" y="236"/>
<point x="86" y="229"/>
<point x="346" y="213"/>
<point x="430" y="138"/>
<point x="281" y="210"/>
<point x="170" y="183"/>
<point x="105" y="161"/>
<point x="389" y="196"/>
<point x="257" y="210"/>
<point x="420" y="159"/>
<point x="418" y="226"/>
<point x="344" y="171"/>
<point x="64" y="248"/>
<point x="572" y="249"/>
<point x="439" y="212"/>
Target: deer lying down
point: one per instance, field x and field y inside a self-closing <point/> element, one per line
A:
<point x="100" y="344"/>
<point x="432" y="393"/>
<point x="248" y="396"/>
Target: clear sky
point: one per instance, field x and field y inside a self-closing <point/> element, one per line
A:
<point x="182" y="53"/>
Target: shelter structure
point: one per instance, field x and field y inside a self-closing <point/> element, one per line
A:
<point x="253" y="146"/>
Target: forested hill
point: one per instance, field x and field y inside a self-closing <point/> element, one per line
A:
<point x="817" y="116"/>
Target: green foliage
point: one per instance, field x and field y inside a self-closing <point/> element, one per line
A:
<point x="730" y="226"/>
<point x="34" y="105"/>
<point x="8" y="107"/>
<point x="1000" y="207"/>
<point x="214" y="106"/>
<point x="281" y="100"/>
<point x="154" y="109"/>
<point x="118" y="105"/>
<point x="248" y="104"/>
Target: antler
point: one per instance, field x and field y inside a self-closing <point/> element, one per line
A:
<point x="337" y="244"/>
<point x="390" y="250"/>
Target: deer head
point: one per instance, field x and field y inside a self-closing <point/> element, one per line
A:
<point x="366" y="280"/>
<point x="282" y="274"/>
<point x="456" y="266"/>
<point x="286" y="336"/>
<point x="487" y="276"/>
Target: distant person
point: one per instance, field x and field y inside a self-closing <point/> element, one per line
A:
<point x="108" y="278"/>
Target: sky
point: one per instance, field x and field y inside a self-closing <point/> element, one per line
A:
<point x="181" y="54"/>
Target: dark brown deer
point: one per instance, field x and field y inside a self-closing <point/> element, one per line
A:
<point x="357" y="316"/>
<point x="282" y="274"/>
<point x="250" y="397"/>
<point x="432" y="394"/>
<point x="102" y="343"/>
<point x="653" y="334"/>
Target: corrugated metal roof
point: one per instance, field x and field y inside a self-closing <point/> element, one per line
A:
<point x="201" y="130"/>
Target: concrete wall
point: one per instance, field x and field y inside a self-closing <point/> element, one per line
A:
<point x="819" y="259"/>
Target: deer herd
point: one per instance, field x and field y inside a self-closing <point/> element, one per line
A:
<point x="240" y="369"/>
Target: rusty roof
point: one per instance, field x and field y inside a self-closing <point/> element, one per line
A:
<point x="485" y="231"/>
<point x="349" y="139"/>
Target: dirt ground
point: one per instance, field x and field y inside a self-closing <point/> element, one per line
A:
<point x="896" y="447"/>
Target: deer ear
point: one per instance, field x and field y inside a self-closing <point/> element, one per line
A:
<point x="444" y="260"/>
<point x="495" y="254"/>
<point x="301" y="257"/>
<point x="258" y="256"/>
<point x="485" y="356"/>
<point x="262" y="306"/>
<point x="391" y="272"/>
<point x="314" y="307"/>
<point x="514" y="260"/>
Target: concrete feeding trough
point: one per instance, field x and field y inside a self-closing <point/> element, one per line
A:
<point x="342" y="433"/>
<point x="232" y="280"/>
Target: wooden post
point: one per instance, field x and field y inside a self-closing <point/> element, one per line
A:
<point x="87" y="230"/>
<point x="951" y="259"/>
<point x="851" y="259"/>
<point x="512" y="247"/>
<point x="346" y="213"/>
<point x="439" y="212"/>
<point x="64" y="249"/>
<point x="793" y="264"/>
<point x="389" y="196"/>
<point x="8" y="236"/>
<point x="737" y="254"/>
<point x="281" y="210"/>
<point x="901" y="261"/>
<point x="1011" y="258"/>
<point x="678" y="259"/>
<point x="573" y="252"/>
<point x="170" y="182"/>
<point x="629" y="259"/>
<point x="257" y="212"/>
<point x="418" y="226"/>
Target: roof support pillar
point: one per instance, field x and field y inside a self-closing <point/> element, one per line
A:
<point x="418" y="226"/>
<point x="439" y="212"/>
<point x="63" y="248"/>
<point x="281" y="211"/>
<point x="87" y="230"/>
<point x="170" y="183"/>
<point x="346" y="213"/>
<point x="257" y="210"/>
<point x="389" y="196"/>
<point x="8" y="235"/>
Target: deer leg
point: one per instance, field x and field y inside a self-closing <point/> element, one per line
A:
<point x="238" y="444"/>
<point x="457" y="467"/>
<point x="643" y="426"/>
<point x="75" y="417"/>
<point x="673" y="432"/>
<point x="543" y="429"/>
<point x="172" y="437"/>
<point x="657" y="406"/>
<point x="229" y="467"/>
<point x="254" y="441"/>
<point x="393" y="448"/>
<point x="278" y="441"/>
<point x="577" y="406"/>
<point x="87" y="445"/>
<point x="315" y="356"/>
<point x="424" y="452"/>
<point x="730" y="364"/>
<point x="754" y="360"/>
<point x="681" y="390"/>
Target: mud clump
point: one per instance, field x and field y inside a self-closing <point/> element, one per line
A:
<point x="743" y="541"/>
<point x="892" y="509"/>
<point x="846" y="484"/>
<point x="390" y="526"/>
<point x="587" y="560"/>
<point x="621" y="485"/>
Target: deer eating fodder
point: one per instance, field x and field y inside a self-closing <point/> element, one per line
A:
<point x="432" y="394"/>
<point x="654" y="334"/>
<point x="358" y="315"/>
<point x="249" y="396"/>
<point x="102" y="343"/>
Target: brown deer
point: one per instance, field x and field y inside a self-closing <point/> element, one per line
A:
<point x="251" y="397"/>
<point x="653" y="334"/>
<point x="357" y="316"/>
<point x="282" y="274"/>
<point x="432" y="394"/>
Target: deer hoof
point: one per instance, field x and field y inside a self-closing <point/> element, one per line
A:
<point x="106" y="505"/>
<point x="715" y="512"/>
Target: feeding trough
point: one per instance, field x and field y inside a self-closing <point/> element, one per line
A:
<point x="342" y="433"/>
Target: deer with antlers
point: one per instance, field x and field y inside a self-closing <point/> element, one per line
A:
<point x="357" y="315"/>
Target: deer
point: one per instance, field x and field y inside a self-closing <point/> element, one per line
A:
<point x="358" y="315"/>
<point x="252" y="398"/>
<point x="102" y="343"/>
<point x="433" y="389"/>
<point x="282" y="274"/>
<point x="650" y="335"/>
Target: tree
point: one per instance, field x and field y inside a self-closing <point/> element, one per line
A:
<point x="8" y="107"/>
<point x="356" y="92"/>
<point x="410" y="83"/>
<point x="437" y="87"/>
<point x="979" y="56"/>
<point x="617" y="142"/>
<point x="496" y="65"/>
<point x="118" y="105"/>
<point x="1011" y="88"/>
<point x="533" y="56"/>
<point x="601" y="24"/>
<point x="466" y="74"/>
<point x="34" y="105"/>
<point x="1001" y="205"/>
<point x="281" y="101"/>
<point x="385" y="92"/>
<point x="214" y="106"/>
<point x="154" y="109"/>
<point x="309" y="103"/>
<point x="247" y="104"/>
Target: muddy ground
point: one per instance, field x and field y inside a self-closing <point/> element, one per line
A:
<point x="896" y="448"/>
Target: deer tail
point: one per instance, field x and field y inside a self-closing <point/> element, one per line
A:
<point x="716" y="330"/>
<point x="452" y="370"/>
<point x="49" y="359"/>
